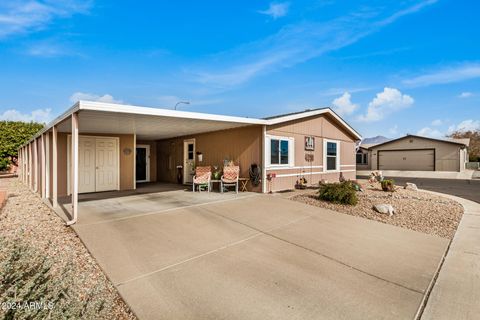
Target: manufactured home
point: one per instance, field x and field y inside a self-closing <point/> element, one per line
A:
<point x="96" y="147"/>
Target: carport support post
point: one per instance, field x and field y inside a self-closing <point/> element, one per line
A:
<point x="42" y="165"/>
<point x="35" y="164"/>
<point x="54" y="168"/>
<point x="30" y="163"/>
<point x="74" y="174"/>
<point x="264" y="160"/>
<point x="47" y="165"/>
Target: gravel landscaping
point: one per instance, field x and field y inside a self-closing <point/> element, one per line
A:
<point x="43" y="261"/>
<point x="415" y="210"/>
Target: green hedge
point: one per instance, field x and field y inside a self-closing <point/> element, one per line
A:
<point x="343" y="193"/>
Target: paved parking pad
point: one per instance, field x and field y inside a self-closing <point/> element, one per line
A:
<point x="260" y="257"/>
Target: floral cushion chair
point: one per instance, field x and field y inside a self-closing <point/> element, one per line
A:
<point x="230" y="177"/>
<point x="202" y="178"/>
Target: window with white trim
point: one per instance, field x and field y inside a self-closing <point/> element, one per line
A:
<point x="280" y="152"/>
<point x="362" y="158"/>
<point x="331" y="155"/>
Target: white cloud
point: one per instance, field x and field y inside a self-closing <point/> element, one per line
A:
<point x="437" y="122"/>
<point x="386" y="102"/>
<point x="465" y="125"/>
<point x="49" y="49"/>
<point x="465" y="94"/>
<point x="393" y="130"/>
<point x="293" y="44"/>
<point x="37" y="115"/>
<point x="77" y="96"/>
<point x="23" y="16"/>
<point x="450" y="74"/>
<point x="429" y="132"/>
<point x="276" y="10"/>
<point x="343" y="105"/>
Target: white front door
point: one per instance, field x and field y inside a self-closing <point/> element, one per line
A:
<point x="188" y="161"/>
<point x="86" y="164"/>
<point x="106" y="161"/>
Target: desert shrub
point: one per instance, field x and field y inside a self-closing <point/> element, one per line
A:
<point x="343" y="193"/>
<point x="388" y="185"/>
<point x="27" y="276"/>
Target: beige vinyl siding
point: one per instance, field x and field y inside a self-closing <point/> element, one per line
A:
<point x="322" y="128"/>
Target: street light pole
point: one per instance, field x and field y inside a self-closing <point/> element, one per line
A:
<point x="181" y="102"/>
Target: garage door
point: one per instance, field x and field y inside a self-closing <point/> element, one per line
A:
<point x="411" y="160"/>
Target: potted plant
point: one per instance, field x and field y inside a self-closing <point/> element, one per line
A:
<point x="216" y="174"/>
<point x="388" y="185"/>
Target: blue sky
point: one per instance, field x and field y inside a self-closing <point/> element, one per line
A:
<point x="388" y="67"/>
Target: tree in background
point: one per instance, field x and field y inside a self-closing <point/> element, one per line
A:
<point x="474" y="149"/>
<point x="12" y="135"/>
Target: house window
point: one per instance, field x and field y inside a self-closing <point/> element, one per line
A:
<point x="281" y="151"/>
<point x="278" y="151"/>
<point x="331" y="155"/>
<point x="190" y="151"/>
<point x="359" y="158"/>
<point x="362" y="158"/>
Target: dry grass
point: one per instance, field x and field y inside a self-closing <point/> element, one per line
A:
<point x="42" y="259"/>
<point x="415" y="210"/>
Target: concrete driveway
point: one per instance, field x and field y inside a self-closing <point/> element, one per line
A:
<point x="468" y="189"/>
<point x="179" y="255"/>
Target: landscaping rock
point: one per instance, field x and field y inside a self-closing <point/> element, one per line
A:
<point x="385" y="209"/>
<point x="410" y="208"/>
<point x="26" y="222"/>
<point x="411" y="186"/>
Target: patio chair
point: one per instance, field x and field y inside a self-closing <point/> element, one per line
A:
<point x="202" y="178"/>
<point x="230" y="177"/>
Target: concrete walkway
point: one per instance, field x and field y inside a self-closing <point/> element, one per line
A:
<point x="253" y="256"/>
<point x="456" y="293"/>
<point x="467" y="174"/>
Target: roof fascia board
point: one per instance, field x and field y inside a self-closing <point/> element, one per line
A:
<point x="54" y="122"/>
<point x="131" y="109"/>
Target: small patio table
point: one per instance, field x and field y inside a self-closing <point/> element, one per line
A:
<point x="215" y="181"/>
<point x="244" y="182"/>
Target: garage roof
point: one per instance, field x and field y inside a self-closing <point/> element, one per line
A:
<point x="461" y="142"/>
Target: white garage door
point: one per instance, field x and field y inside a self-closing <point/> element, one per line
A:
<point x="408" y="160"/>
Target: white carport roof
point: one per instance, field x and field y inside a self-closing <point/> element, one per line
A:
<point x="155" y="123"/>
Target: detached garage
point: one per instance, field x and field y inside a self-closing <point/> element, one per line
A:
<point x="416" y="153"/>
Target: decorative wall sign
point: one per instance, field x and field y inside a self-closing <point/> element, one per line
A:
<point x="309" y="143"/>
<point x="309" y="157"/>
<point x="127" y="151"/>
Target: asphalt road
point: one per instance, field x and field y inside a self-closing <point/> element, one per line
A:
<point x="468" y="189"/>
